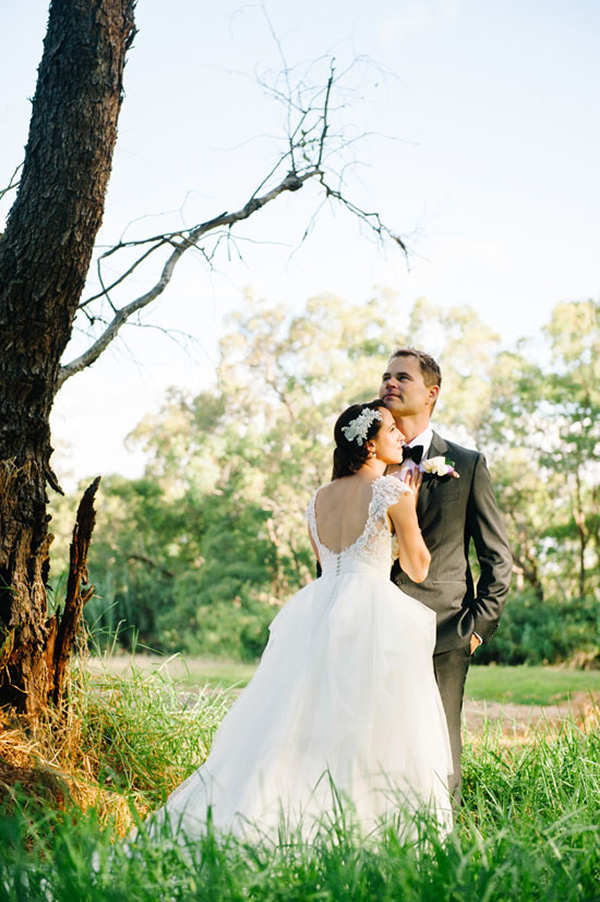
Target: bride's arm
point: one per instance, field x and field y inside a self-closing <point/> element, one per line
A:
<point x="413" y="553"/>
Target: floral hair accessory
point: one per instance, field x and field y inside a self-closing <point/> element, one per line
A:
<point x="360" y="425"/>
<point x="439" y="466"/>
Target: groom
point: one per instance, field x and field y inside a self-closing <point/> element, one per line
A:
<point x="452" y="512"/>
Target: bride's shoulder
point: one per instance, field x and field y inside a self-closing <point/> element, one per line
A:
<point x="322" y="491"/>
<point x="337" y="487"/>
<point x="390" y="489"/>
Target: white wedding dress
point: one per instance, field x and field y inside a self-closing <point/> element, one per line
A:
<point x="343" y="710"/>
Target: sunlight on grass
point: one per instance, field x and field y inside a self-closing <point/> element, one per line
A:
<point x="189" y="672"/>
<point x="520" y="685"/>
<point x="525" y="685"/>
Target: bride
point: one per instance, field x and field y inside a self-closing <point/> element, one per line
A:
<point x="343" y="710"/>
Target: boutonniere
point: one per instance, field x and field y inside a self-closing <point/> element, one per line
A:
<point x="439" y="466"/>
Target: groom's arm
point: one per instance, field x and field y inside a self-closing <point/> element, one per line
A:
<point x="493" y="552"/>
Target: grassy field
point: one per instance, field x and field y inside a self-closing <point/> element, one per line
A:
<point x="525" y="685"/>
<point x="191" y="673"/>
<point x="521" y="685"/>
<point x="528" y="829"/>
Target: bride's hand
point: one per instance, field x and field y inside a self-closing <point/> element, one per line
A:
<point x="414" y="479"/>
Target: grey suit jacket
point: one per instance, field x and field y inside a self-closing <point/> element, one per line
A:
<point x="452" y="513"/>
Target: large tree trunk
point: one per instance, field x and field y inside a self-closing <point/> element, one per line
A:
<point x="45" y="254"/>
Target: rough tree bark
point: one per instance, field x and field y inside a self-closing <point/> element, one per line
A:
<point x="45" y="254"/>
<point x="64" y="628"/>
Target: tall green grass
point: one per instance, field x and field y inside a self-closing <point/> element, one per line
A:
<point x="520" y="857"/>
<point x="120" y="743"/>
<point x="143" y="732"/>
<point x="528" y="829"/>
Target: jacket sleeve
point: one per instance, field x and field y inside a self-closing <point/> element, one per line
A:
<point x="493" y="553"/>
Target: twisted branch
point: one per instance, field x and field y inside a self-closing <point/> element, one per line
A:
<point x="291" y="182"/>
<point x="310" y="142"/>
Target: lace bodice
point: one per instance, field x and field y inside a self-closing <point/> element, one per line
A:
<point x="373" y="548"/>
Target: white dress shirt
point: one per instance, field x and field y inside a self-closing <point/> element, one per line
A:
<point x="425" y="439"/>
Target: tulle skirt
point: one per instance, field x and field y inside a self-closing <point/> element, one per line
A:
<point x="343" y="714"/>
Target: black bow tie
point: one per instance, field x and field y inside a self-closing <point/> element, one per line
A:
<point x="415" y="453"/>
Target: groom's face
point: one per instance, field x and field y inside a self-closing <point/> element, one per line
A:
<point x="403" y="389"/>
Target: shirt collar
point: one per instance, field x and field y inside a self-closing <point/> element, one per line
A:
<point x="425" y="439"/>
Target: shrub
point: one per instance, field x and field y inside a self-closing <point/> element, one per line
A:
<point x="549" y="631"/>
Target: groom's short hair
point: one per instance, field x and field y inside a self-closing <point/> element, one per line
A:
<point x="432" y="374"/>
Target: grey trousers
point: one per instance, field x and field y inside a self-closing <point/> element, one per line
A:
<point x="451" y="672"/>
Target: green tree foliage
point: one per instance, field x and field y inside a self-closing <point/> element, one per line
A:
<point x="198" y="554"/>
<point x="213" y="538"/>
<point x="544" y="432"/>
<point x="574" y="395"/>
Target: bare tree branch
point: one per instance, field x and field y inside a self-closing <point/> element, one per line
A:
<point x="325" y="115"/>
<point x="373" y="219"/>
<point x="311" y="151"/>
<point x="157" y="243"/>
<point x="13" y="183"/>
<point x="291" y="182"/>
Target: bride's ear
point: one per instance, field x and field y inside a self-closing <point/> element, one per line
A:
<point x="370" y="446"/>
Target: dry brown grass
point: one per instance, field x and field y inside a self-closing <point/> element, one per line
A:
<point x="119" y="743"/>
<point x="46" y="761"/>
<point x="526" y="724"/>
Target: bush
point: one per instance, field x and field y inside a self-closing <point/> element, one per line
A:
<point x="549" y="631"/>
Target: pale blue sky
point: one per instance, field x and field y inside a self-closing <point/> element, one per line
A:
<point x="484" y="153"/>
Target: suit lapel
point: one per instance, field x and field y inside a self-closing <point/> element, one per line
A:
<point x="438" y="448"/>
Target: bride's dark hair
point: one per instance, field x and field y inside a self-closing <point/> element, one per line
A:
<point x="349" y="456"/>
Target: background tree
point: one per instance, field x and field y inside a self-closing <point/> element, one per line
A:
<point x="543" y="431"/>
<point x="466" y="349"/>
<point x="513" y="433"/>
<point x="238" y="465"/>
<point x="195" y="555"/>
<point x="572" y="398"/>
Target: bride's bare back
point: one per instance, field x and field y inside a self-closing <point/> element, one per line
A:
<point x="341" y="511"/>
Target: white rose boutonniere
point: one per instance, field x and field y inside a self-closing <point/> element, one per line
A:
<point x="439" y="466"/>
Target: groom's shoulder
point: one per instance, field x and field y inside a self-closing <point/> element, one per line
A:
<point x="453" y="448"/>
<point x="466" y="461"/>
